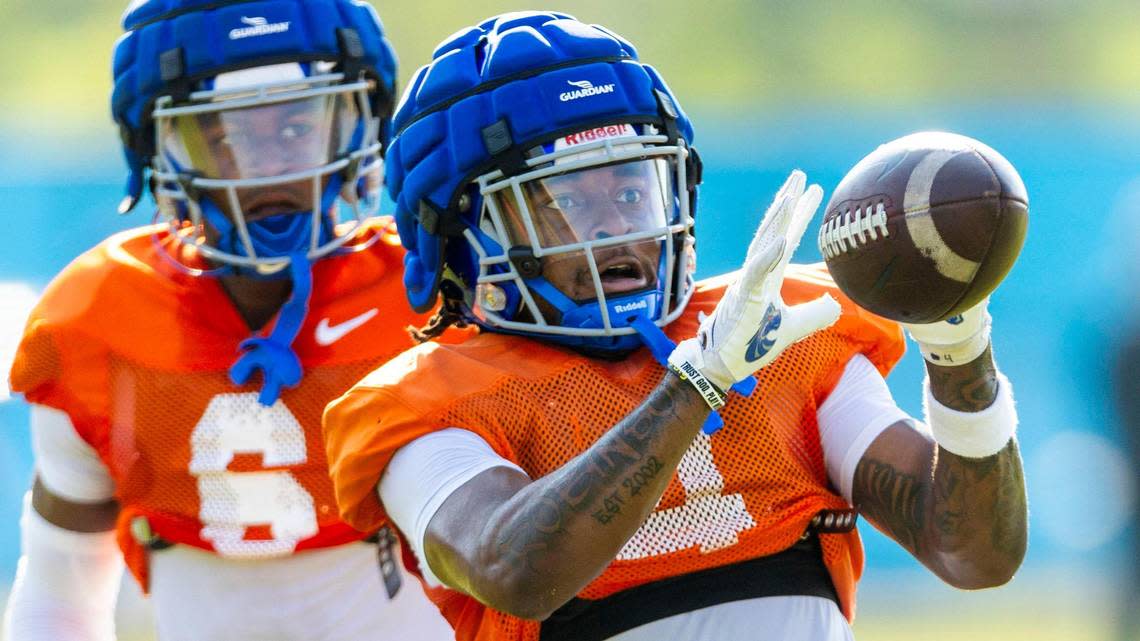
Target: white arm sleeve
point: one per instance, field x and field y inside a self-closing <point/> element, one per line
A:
<point x="66" y="583"/>
<point x="66" y="465"/>
<point x="424" y="473"/>
<point x="851" y="417"/>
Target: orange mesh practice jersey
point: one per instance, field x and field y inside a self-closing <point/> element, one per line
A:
<point x="748" y="491"/>
<point x="136" y="352"/>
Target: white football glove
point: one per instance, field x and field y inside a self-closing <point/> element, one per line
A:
<point x="751" y="325"/>
<point x="954" y="341"/>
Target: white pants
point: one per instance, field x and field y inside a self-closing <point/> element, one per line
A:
<point x="333" y="594"/>
<point x="778" y="618"/>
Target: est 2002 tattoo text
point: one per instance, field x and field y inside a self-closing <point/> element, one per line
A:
<point x="611" y="505"/>
<point x="642" y="475"/>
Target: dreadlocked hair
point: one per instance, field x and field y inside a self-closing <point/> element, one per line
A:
<point x="450" y="314"/>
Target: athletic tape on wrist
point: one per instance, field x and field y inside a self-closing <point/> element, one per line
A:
<point x="957" y="353"/>
<point x="973" y="434"/>
<point x="687" y="372"/>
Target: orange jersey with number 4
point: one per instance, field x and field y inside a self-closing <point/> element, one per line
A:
<point x="748" y="491"/>
<point x="136" y="352"/>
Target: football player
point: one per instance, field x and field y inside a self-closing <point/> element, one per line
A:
<point x="177" y="373"/>
<point x="573" y="472"/>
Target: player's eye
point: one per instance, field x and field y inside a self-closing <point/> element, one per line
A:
<point x="563" y="202"/>
<point x="295" y="131"/>
<point x="630" y="196"/>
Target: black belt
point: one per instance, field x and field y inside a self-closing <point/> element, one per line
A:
<point x="384" y="539"/>
<point x="797" y="571"/>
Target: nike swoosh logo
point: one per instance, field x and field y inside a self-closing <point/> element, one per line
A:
<point x="762" y="341"/>
<point x="328" y="334"/>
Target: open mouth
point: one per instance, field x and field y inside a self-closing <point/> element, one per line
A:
<point x="622" y="274"/>
<point x="264" y="206"/>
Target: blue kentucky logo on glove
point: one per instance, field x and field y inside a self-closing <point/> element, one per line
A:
<point x="763" y="341"/>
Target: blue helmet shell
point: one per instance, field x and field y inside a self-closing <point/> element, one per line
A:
<point x="170" y="45"/>
<point x="492" y="92"/>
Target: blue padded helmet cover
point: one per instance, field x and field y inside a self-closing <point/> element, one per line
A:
<point x="198" y="39"/>
<point x="527" y="70"/>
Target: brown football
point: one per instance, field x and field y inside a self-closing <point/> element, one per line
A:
<point x="925" y="227"/>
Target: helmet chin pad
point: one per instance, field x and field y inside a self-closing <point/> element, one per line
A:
<point x="621" y="311"/>
<point x="278" y="236"/>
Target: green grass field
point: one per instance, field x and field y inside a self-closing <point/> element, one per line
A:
<point x="1017" y="627"/>
<point x="1038" y="605"/>
<point x="949" y="628"/>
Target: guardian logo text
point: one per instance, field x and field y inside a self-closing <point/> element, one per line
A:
<point x="584" y="89"/>
<point x="258" y="26"/>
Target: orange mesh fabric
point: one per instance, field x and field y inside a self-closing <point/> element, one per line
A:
<point x="748" y="491"/>
<point x="137" y="353"/>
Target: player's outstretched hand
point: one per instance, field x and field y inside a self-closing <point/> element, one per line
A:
<point x="751" y="325"/>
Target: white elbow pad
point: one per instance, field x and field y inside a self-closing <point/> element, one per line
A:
<point x="66" y="583"/>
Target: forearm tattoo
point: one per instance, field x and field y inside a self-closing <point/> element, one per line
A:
<point x="979" y="507"/>
<point x="951" y="505"/>
<point x="981" y="501"/>
<point x="619" y="479"/>
<point x="893" y="499"/>
<point x="967" y="388"/>
<point x="950" y="511"/>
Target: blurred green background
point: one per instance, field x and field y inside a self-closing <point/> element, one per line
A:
<point x="771" y="85"/>
<point x="722" y="54"/>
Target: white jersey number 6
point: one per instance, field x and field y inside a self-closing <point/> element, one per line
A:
<point x="233" y="501"/>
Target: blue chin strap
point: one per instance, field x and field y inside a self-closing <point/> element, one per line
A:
<point x="633" y="311"/>
<point x="276" y="236"/>
<point x="589" y="315"/>
<point x="273" y="355"/>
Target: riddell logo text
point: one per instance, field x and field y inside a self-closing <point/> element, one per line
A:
<point x="600" y="133"/>
<point x="585" y="89"/>
<point x="258" y="27"/>
<point x="629" y="307"/>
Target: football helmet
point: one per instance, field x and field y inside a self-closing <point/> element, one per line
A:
<point x="252" y="118"/>
<point x="544" y="182"/>
<point x="247" y="114"/>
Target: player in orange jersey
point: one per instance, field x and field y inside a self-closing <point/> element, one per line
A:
<point x="161" y="426"/>
<point x="552" y="474"/>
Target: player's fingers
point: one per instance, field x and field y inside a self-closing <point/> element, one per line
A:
<point x="772" y="219"/>
<point x="794" y="185"/>
<point x="775" y="227"/>
<point x="794" y="224"/>
<point x="807" y="318"/>
<point x="760" y="264"/>
<point x="805" y="210"/>
<point x="775" y="219"/>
